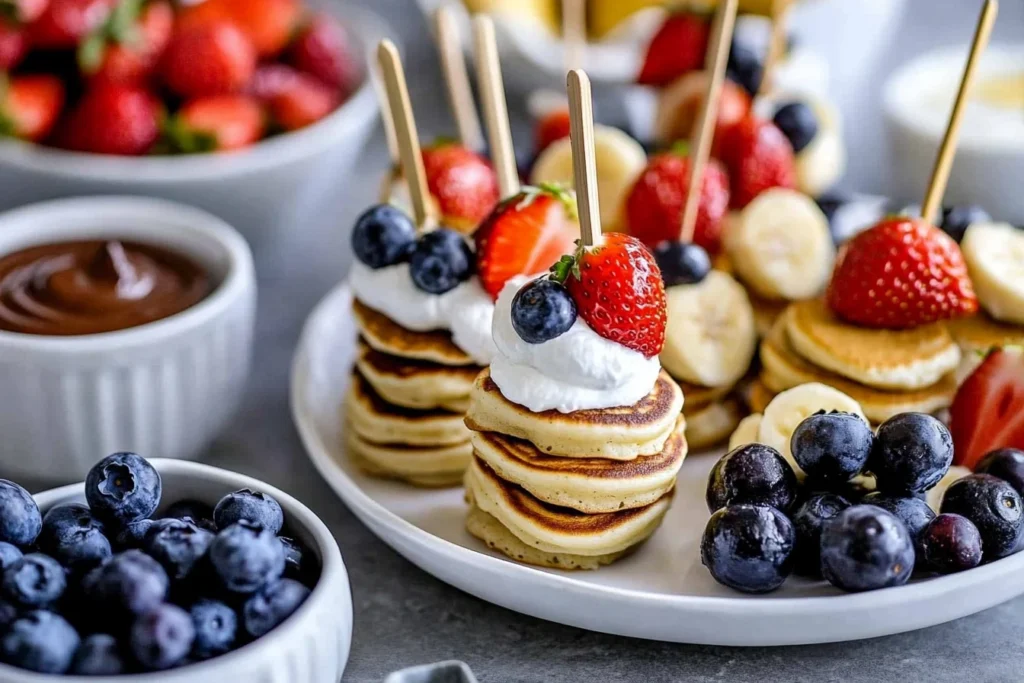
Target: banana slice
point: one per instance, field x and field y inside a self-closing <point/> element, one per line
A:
<point x="781" y="247"/>
<point x="620" y="160"/>
<point x="747" y="431"/>
<point x="994" y="253"/>
<point x="935" y="494"/>
<point x="787" y="410"/>
<point x="711" y="335"/>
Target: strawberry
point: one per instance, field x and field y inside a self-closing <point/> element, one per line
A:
<point x="112" y="119"/>
<point x="30" y="105"/>
<point x="654" y="206"/>
<point x="302" y="102"/>
<point x="13" y="45"/>
<point x="758" y="157"/>
<point x="678" y="47"/>
<point x="66" y="22"/>
<point x="23" y="11"/>
<point x="127" y="47"/>
<point x="208" y="59"/>
<point x="551" y="128"/>
<point x="687" y="100"/>
<point x="463" y="182"/>
<point x="323" y="49"/>
<point x="899" y="274"/>
<point x="269" y="24"/>
<point x="618" y="291"/>
<point x="524" y="235"/>
<point x="215" y="123"/>
<point x="988" y="409"/>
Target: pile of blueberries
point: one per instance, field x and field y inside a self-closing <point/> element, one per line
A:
<point x="104" y="589"/>
<point x="765" y="526"/>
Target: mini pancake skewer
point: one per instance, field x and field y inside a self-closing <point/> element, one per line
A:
<point x="456" y="78"/>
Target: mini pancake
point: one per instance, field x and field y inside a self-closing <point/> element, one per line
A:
<point x="614" y="433"/>
<point x="712" y="424"/>
<point x="883" y="359"/>
<point x="591" y="485"/>
<point x="559" y="530"/>
<point x="415" y="383"/>
<point x="785" y="369"/>
<point x="421" y="466"/>
<point x="766" y="312"/>
<point x="385" y="335"/>
<point x="377" y="421"/>
<point x="979" y="333"/>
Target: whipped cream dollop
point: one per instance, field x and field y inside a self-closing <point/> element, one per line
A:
<point x="466" y="310"/>
<point x="578" y="370"/>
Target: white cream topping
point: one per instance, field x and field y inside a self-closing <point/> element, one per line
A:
<point x="578" y="370"/>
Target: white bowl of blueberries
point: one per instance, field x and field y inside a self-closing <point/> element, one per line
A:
<point x="171" y="567"/>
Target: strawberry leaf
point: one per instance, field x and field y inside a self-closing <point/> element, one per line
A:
<point x="561" y="269"/>
<point x="681" y="148"/>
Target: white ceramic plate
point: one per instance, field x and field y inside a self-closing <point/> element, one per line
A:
<point x="662" y="592"/>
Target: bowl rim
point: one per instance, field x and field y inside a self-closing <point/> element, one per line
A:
<point x="41" y="222"/>
<point x="332" y="570"/>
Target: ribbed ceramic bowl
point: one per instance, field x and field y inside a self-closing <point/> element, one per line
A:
<point x="311" y="646"/>
<point x="165" y="388"/>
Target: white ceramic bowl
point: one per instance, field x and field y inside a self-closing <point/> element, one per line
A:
<point x="311" y="646"/>
<point x="165" y="388"/>
<point x="276" y="184"/>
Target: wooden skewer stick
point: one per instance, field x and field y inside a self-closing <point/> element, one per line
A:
<point x="776" y="43"/>
<point x="700" y="144"/>
<point x="944" y="160"/>
<point x="574" y="20"/>
<point x="492" y="92"/>
<point x="584" y="162"/>
<point x="385" y="115"/>
<point x="405" y="129"/>
<point x="456" y="78"/>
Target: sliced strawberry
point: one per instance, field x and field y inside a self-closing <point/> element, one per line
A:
<point x="678" y="47"/>
<point x="30" y="106"/>
<point x="302" y="103"/>
<point x="524" y="235"/>
<point x="758" y="157"/>
<point x="112" y="119"/>
<point x="269" y="24"/>
<point x="215" y="123"/>
<point x="552" y="128"/>
<point x="128" y="46"/>
<point x="323" y="49"/>
<point x="208" y="59"/>
<point x="66" y="22"/>
<point x="13" y="45"/>
<point x="988" y="410"/>
<point x="463" y="182"/>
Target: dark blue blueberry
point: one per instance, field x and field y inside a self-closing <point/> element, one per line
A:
<point x="162" y="638"/>
<point x="440" y="261"/>
<point x="749" y="547"/>
<point x="246" y="557"/>
<point x="832" y="448"/>
<point x="808" y="521"/>
<point x="1007" y="464"/>
<point x="383" y="236"/>
<point x="98" y="655"/>
<point x="215" y="625"/>
<point x="913" y="512"/>
<point x="35" y="581"/>
<point x="122" y="488"/>
<point x="542" y="310"/>
<point x="252" y="506"/>
<point x="74" y="537"/>
<point x="8" y="613"/>
<point x="912" y="452"/>
<point x="993" y="506"/>
<point x="754" y="474"/>
<point x="20" y="520"/>
<point x="198" y="512"/>
<point x="127" y="585"/>
<point x="745" y="66"/>
<point x="8" y="554"/>
<point x="299" y="562"/>
<point x="956" y="220"/>
<point x="682" y="263"/>
<point x="39" y="641"/>
<point x="864" y="548"/>
<point x="177" y="546"/>
<point x="133" y="534"/>
<point x="272" y="605"/>
<point x="950" y="543"/>
<point x="798" y="123"/>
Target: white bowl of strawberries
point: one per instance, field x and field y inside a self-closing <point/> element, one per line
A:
<point x="235" y="106"/>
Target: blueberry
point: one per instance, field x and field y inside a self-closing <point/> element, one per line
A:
<point x="950" y="543"/>
<point x="272" y="605"/>
<point x="798" y="123"/>
<point x="383" y="236"/>
<point x="39" y="641"/>
<point x="162" y="638"/>
<point x="749" y="547"/>
<point x="832" y="448"/>
<point x="299" y="563"/>
<point x="20" y="520"/>
<point x="542" y="310"/>
<point x="253" y="506"/>
<point x="215" y="625"/>
<point x="993" y="506"/>
<point x="913" y="512"/>
<point x="754" y="474"/>
<point x="246" y="557"/>
<point x="132" y="534"/>
<point x="8" y="613"/>
<point x="682" y="263"/>
<point x="957" y="219"/>
<point x="8" y="554"/>
<point x="808" y="521"/>
<point x="912" y="452"/>
<point x="122" y="488"/>
<point x="177" y="546"/>
<point x="127" y="585"/>
<point x="745" y="67"/>
<point x="98" y="655"/>
<point x="198" y="512"/>
<point x="864" y="548"/>
<point x="74" y="537"/>
<point x="35" y="581"/>
<point x="1007" y="464"/>
<point x="440" y="261"/>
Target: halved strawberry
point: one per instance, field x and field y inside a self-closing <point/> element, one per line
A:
<point x="524" y="235"/>
<point x="215" y="123"/>
<point x="988" y="410"/>
<point x="463" y="182"/>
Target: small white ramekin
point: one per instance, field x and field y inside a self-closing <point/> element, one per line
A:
<point x="164" y="389"/>
<point x="311" y="646"/>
